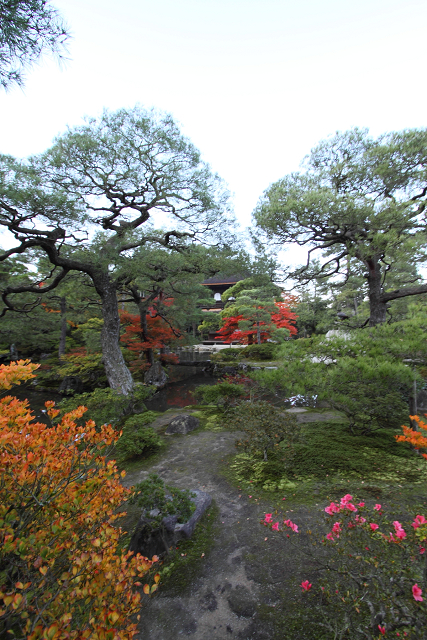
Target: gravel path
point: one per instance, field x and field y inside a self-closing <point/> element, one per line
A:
<point x="242" y="573"/>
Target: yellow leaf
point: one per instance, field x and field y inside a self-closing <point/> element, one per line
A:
<point x="113" y="617"/>
<point x="157" y="578"/>
<point x="146" y="589"/>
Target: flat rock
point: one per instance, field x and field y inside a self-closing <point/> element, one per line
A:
<point x="242" y="602"/>
<point x="156" y="376"/>
<point x="182" y="424"/>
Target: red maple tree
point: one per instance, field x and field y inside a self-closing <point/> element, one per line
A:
<point x="159" y="335"/>
<point x="284" y="318"/>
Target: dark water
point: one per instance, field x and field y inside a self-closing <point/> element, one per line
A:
<point x="176" y="394"/>
<point x="36" y="399"/>
<point x="179" y="393"/>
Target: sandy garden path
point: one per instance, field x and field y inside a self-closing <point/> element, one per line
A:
<point x="242" y="577"/>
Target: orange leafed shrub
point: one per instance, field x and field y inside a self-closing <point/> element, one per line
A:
<point x="416" y="438"/>
<point x="62" y="575"/>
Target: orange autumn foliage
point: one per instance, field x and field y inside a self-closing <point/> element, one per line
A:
<point x="416" y="438"/>
<point x="62" y="576"/>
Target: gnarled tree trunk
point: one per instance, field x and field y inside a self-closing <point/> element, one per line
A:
<point x="378" y="308"/>
<point x="63" y="336"/>
<point x="118" y="375"/>
<point x="149" y="353"/>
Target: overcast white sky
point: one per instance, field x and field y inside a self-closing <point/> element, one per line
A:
<point x="255" y="84"/>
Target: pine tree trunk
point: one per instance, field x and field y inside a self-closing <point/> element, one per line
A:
<point x="378" y="309"/>
<point x="149" y="353"/>
<point x="61" y="348"/>
<point x="118" y="375"/>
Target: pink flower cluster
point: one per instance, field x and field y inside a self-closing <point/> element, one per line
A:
<point x="335" y="533"/>
<point x="419" y="520"/>
<point x="345" y="503"/>
<point x="269" y="518"/>
<point x="400" y="533"/>
<point x="291" y="525"/>
<point x="416" y="592"/>
<point x="306" y="585"/>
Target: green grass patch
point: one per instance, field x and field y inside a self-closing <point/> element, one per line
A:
<point x="328" y="459"/>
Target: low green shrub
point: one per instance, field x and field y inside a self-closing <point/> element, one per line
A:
<point x="138" y="442"/>
<point x="140" y="420"/>
<point x="227" y="355"/>
<point x="264" y="351"/>
<point x="153" y="494"/>
<point x="138" y="439"/>
<point x="265" y="428"/>
<point x="106" y="406"/>
<point x="223" y="394"/>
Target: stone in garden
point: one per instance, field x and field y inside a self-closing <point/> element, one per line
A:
<point x="156" y="375"/>
<point x="242" y="602"/>
<point x="150" y="542"/>
<point x="182" y="424"/>
<point x="71" y="385"/>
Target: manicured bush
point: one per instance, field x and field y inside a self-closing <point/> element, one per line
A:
<point x="106" y="406"/>
<point x="63" y="576"/>
<point x="223" y="394"/>
<point x="265" y="428"/>
<point x="153" y="494"/>
<point x="265" y="351"/>
<point x="138" y="439"/>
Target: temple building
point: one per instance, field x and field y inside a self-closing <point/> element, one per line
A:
<point x="219" y="285"/>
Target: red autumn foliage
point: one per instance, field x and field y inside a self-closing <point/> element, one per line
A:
<point x="159" y="336"/>
<point x="283" y="319"/>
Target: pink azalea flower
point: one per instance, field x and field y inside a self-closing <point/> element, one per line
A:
<point x="275" y="526"/>
<point x="419" y="520"/>
<point x="361" y="504"/>
<point x="306" y="585"/>
<point x="377" y="507"/>
<point x="360" y="520"/>
<point x="382" y="630"/>
<point x="374" y="526"/>
<point x="330" y="536"/>
<point x="350" y="506"/>
<point x="333" y="508"/>
<point x="422" y="550"/>
<point x="291" y="525"/>
<point x="268" y="517"/>
<point x="345" y="499"/>
<point x="416" y="592"/>
<point x="400" y="533"/>
<point x="337" y="527"/>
